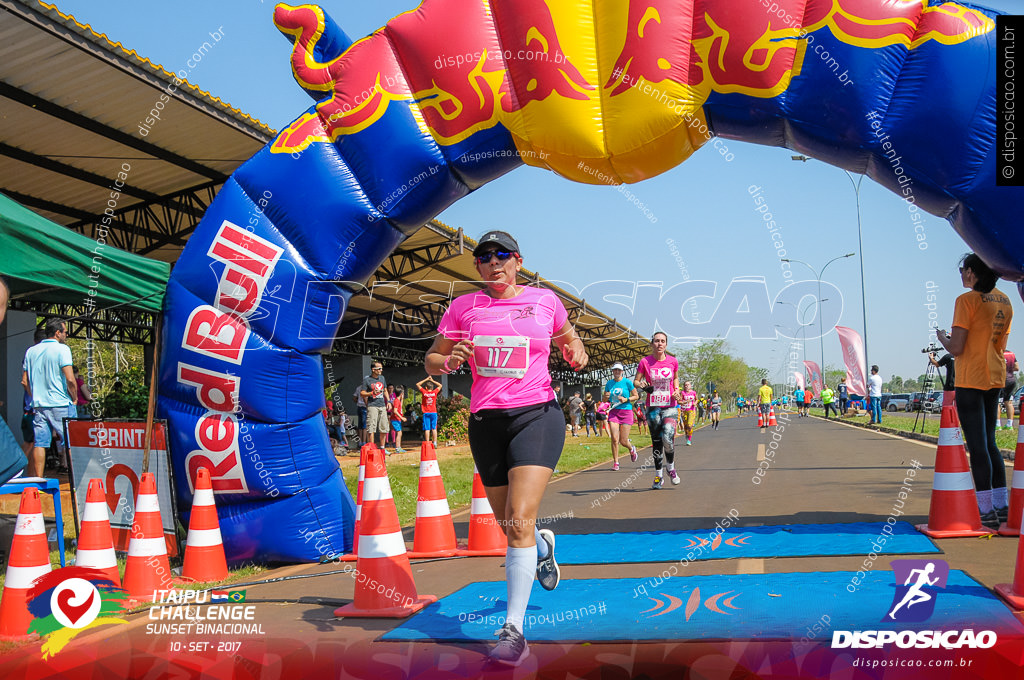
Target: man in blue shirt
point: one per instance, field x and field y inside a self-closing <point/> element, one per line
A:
<point x="46" y="374"/>
<point x="798" y="397"/>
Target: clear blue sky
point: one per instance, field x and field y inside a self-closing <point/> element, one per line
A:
<point x="579" y="234"/>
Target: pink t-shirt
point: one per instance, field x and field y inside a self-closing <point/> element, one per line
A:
<point x="689" y="402"/>
<point x="512" y="341"/>
<point x="661" y="376"/>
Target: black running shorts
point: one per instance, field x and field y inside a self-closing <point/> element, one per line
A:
<point x="502" y="439"/>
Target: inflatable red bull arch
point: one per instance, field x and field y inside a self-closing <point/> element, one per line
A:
<point x="456" y="93"/>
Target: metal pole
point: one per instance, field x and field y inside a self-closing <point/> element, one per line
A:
<point x="863" y="296"/>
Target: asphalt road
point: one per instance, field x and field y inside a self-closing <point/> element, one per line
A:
<point x="817" y="472"/>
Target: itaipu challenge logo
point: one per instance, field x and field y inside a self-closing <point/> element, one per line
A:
<point x="68" y="601"/>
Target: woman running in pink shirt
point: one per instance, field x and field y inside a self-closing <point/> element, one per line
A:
<point x="516" y="431"/>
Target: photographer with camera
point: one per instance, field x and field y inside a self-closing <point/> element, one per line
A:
<point x="981" y="324"/>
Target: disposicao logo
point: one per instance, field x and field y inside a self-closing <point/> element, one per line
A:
<point x="68" y="601"/>
<point x="918" y="583"/>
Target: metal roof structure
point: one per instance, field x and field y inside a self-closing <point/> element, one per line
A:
<point x="398" y="314"/>
<point x="74" y="106"/>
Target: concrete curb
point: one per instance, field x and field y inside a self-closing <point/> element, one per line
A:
<point x="903" y="434"/>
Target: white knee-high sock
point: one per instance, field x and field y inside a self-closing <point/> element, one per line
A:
<point x="542" y="545"/>
<point x="520" y="569"/>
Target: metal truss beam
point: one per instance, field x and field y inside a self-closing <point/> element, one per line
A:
<point x="110" y="325"/>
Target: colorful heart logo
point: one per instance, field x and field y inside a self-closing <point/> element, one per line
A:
<point x="74" y="612"/>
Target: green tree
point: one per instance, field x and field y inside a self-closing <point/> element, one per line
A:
<point x="753" y="383"/>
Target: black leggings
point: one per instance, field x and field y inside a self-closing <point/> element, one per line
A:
<point x="978" y="410"/>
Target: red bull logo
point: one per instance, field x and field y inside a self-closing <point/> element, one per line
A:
<point x="470" y="66"/>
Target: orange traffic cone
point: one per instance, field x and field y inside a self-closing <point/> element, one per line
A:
<point x="95" y="541"/>
<point x="353" y="556"/>
<point x="147" y="568"/>
<point x="1013" y="593"/>
<point x="435" y="531"/>
<point x="771" y="417"/>
<point x="485" y="536"/>
<point x="385" y="587"/>
<point x="204" y="548"/>
<point x="954" y="507"/>
<point x="760" y="418"/>
<point x="1011" y="527"/>
<point x="30" y="559"/>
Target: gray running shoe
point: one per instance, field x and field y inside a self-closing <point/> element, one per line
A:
<point x="990" y="520"/>
<point x="547" y="569"/>
<point x="657" y="482"/>
<point x="511" y="649"/>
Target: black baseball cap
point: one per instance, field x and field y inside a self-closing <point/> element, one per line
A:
<point x="498" y="238"/>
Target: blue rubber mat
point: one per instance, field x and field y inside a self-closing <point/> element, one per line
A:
<point x="790" y="540"/>
<point x="737" y="607"/>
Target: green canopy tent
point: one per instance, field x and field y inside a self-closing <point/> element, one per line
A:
<point x="45" y="262"/>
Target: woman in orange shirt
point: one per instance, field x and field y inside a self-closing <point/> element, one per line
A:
<point x="981" y="324"/>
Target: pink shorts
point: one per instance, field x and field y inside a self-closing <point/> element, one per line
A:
<point x="622" y="416"/>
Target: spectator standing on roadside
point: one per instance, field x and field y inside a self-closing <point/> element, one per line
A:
<point x="981" y="324"/>
<point x="372" y="390"/>
<point x="361" y="407"/>
<point x="12" y="458"/>
<point x="398" y="418"/>
<point x="84" y="395"/>
<point x="1011" y="386"/>
<point x="575" y="412"/>
<point x="844" y="395"/>
<point x="46" y="375"/>
<point x="590" y="415"/>
<point x="429" y="389"/>
<point x="875" y="396"/>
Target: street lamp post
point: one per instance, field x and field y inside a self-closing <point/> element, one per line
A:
<point x="821" y="331"/>
<point x="801" y="313"/>
<point x="860" y="246"/>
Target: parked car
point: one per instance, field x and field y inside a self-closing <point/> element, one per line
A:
<point x="817" y="403"/>
<point x="916" y="401"/>
<point x="886" y="396"/>
<point x="898" y="402"/>
<point x="933" y="404"/>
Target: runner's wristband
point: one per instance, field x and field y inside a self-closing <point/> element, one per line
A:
<point x="447" y="368"/>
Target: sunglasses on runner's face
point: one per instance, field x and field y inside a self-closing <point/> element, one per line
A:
<point x="502" y="256"/>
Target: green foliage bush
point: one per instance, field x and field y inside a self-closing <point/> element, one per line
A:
<point x="453" y="414"/>
<point x="130" y="400"/>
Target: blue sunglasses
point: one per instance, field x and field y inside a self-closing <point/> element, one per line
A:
<point x="502" y="256"/>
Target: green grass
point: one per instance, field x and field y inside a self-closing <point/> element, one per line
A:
<point x="904" y="422"/>
<point x="457" y="473"/>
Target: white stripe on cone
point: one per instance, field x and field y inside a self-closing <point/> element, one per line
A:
<point x="95" y="512"/>
<point x="362" y="473"/>
<point x="1020" y="434"/>
<point x="428" y="468"/>
<point x="381" y="545"/>
<point x="147" y="547"/>
<point x="438" y="508"/>
<point x="29" y="525"/>
<point x="376" y="489"/>
<point x="359" y="511"/>
<point x="950" y="436"/>
<point x="1018" y="479"/>
<point x="203" y="538"/>
<point x="480" y="506"/>
<point x="953" y="481"/>
<point x="99" y="559"/>
<point x="148" y="502"/>
<point x="22" y="577"/>
<point x="203" y="497"/>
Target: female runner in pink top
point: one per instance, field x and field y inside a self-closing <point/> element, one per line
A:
<point x="516" y="431"/>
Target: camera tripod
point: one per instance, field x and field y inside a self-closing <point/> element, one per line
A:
<point x="931" y="372"/>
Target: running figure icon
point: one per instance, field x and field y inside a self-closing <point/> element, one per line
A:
<point x="915" y="595"/>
